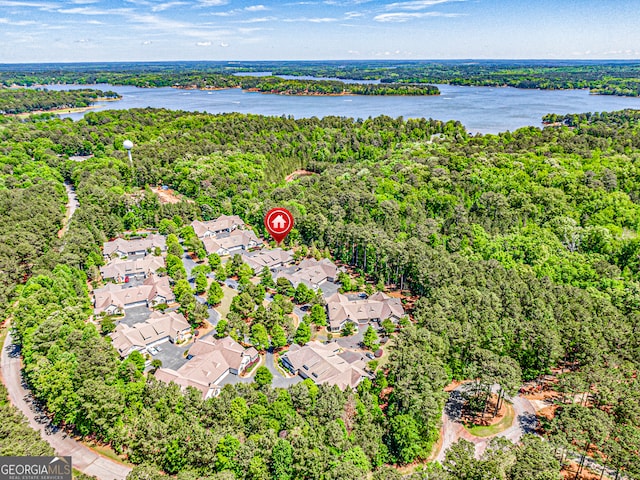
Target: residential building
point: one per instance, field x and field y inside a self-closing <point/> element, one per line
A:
<point x="119" y="270"/>
<point x="230" y="243"/>
<point x="115" y="298"/>
<point x="275" y="258"/>
<point x="121" y="247"/>
<point x="158" y="328"/>
<point x="326" y="363"/>
<point x="211" y="361"/>
<point x="311" y="272"/>
<point x="376" y="308"/>
<point x="213" y="228"/>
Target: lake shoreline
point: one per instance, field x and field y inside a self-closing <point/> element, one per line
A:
<point x="479" y="109"/>
<point x="64" y="110"/>
<point x="305" y="94"/>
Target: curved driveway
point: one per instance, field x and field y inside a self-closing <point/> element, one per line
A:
<point x="525" y="421"/>
<point x="83" y="458"/>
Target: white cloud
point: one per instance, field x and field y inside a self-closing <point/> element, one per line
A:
<point x="147" y="42"/>
<point x="213" y="3"/>
<point x="224" y="45"/>
<point x="17" y="23"/>
<point x="345" y="3"/>
<point x="164" y="6"/>
<point x="176" y="28"/>
<point x="259" y="20"/>
<point x="39" y="5"/>
<point x="94" y="11"/>
<point x="417" y="4"/>
<point x="399" y="17"/>
<point x="203" y="44"/>
<point x="236" y="11"/>
<point x="350" y="15"/>
<point x="311" y="20"/>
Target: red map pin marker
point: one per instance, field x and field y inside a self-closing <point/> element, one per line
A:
<point x="279" y="223"/>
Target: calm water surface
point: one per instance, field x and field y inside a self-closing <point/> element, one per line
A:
<point x="480" y="109"/>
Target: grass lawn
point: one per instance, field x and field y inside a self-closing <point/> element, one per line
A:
<point x="225" y="305"/>
<point x="106" y="451"/>
<point x="490" y="430"/>
<point x="385" y="351"/>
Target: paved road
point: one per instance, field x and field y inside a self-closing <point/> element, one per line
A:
<point x="189" y="264"/>
<point x="72" y="205"/>
<point x="84" y="459"/>
<point x="525" y="421"/>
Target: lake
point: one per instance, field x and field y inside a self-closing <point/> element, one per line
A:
<point x="480" y="109"/>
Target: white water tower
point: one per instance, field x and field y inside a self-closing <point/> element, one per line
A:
<point x="128" y="145"/>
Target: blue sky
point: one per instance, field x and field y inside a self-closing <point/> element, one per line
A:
<point x="139" y="30"/>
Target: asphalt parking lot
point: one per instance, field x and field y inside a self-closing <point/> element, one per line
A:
<point x="135" y="315"/>
<point x="329" y="288"/>
<point x="171" y="355"/>
<point x="352" y="341"/>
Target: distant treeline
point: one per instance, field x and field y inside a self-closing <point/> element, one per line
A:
<point x="25" y="100"/>
<point x="612" y="78"/>
<point x="332" y="87"/>
<point x="204" y="80"/>
<point x="605" y="79"/>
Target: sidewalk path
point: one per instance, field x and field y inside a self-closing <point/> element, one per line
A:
<point x="83" y="458"/>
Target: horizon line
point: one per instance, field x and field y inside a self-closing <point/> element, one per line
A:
<point x="359" y="60"/>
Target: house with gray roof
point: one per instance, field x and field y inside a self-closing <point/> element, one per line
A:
<point x="213" y="228"/>
<point x="326" y="363"/>
<point x="271" y="259"/>
<point x="122" y="248"/>
<point x="116" y="298"/>
<point x="212" y="360"/>
<point x="376" y="308"/>
<point x="119" y="270"/>
<point x="311" y="272"/>
<point x="230" y="243"/>
<point x="157" y="329"/>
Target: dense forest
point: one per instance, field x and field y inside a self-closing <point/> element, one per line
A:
<point x="521" y="247"/>
<point x="22" y="100"/>
<point x="18" y="438"/>
<point x="201" y="80"/>
<point x="605" y="78"/>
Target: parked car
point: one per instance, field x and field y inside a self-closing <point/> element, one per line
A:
<point x="152" y="350"/>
